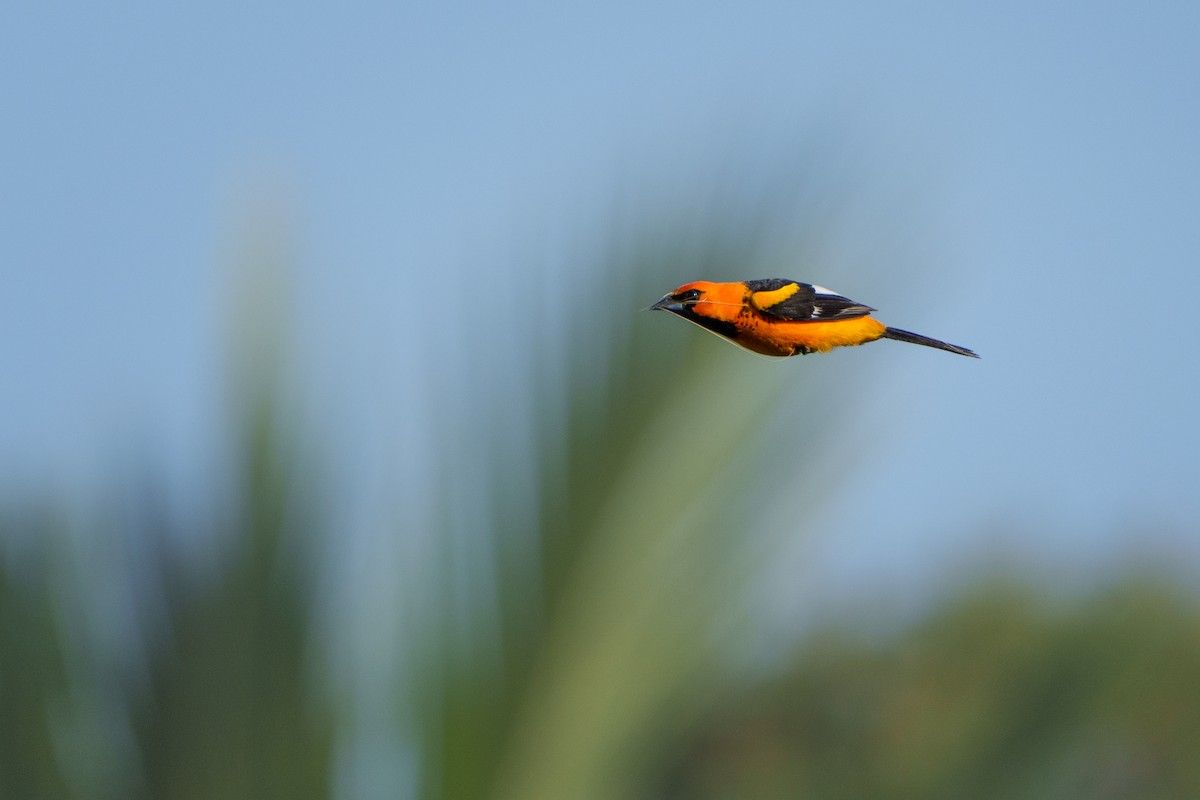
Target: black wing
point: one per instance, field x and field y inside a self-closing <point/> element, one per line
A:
<point x="791" y="300"/>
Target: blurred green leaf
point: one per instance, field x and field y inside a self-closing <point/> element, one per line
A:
<point x="33" y="680"/>
<point x="651" y="442"/>
<point x="230" y="706"/>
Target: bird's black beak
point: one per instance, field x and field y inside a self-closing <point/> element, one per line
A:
<point x="667" y="303"/>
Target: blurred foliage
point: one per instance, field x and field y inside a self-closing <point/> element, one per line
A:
<point x="147" y="655"/>
<point x="228" y="708"/>
<point x="217" y="700"/>
<point x="1001" y="693"/>
<point x="600" y="502"/>
<point x="32" y="672"/>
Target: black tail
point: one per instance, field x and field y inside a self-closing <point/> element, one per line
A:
<point x="916" y="338"/>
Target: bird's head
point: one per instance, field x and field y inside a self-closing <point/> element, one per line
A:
<point x="682" y="298"/>
<point x="704" y="299"/>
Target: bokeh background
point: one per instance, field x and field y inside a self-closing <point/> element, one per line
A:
<point x="338" y="458"/>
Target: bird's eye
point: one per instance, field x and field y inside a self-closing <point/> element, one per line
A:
<point x="690" y="296"/>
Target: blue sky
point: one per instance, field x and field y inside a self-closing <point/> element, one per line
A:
<point x="1045" y="154"/>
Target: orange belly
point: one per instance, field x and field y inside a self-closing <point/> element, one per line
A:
<point x="782" y="338"/>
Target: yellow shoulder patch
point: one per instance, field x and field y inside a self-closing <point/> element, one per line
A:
<point x="764" y="300"/>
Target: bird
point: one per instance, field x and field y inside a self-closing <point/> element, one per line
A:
<point x="781" y="317"/>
